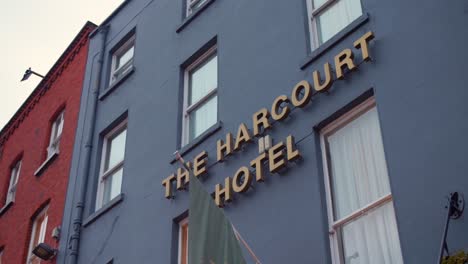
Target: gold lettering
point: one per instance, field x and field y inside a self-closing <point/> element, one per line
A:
<point x="362" y="42"/>
<point x="260" y="119"/>
<point x="274" y="108"/>
<point x="257" y="163"/>
<point x="243" y="136"/>
<point x="327" y="82"/>
<point x="276" y="157"/>
<point x="301" y="86"/>
<point x="199" y="164"/>
<point x="345" y="58"/>
<point x="247" y="180"/>
<point x="167" y="183"/>
<point x="182" y="178"/>
<point x="292" y="153"/>
<point x="224" y="149"/>
<point x="226" y="192"/>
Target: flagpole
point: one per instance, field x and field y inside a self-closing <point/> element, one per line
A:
<point x="240" y="239"/>
<point x="238" y="235"/>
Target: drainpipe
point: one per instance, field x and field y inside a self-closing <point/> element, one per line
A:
<point x="79" y="207"/>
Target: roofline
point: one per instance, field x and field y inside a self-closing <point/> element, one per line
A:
<point x="43" y="84"/>
<point x="112" y="15"/>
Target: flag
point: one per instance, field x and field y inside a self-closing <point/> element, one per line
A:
<point x="211" y="236"/>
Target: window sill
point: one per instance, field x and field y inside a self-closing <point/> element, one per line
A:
<point x="315" y="54"/>
<point x="6" y="207"/>
<point x="116" y="84"/>
<point x="192" y="16"/>
<point x="198" y="140"/>
<point x="111" y="204"/>
<point x="45" y="164"/>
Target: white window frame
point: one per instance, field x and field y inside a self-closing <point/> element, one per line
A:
<point x="190" y="4"/>
<point x="188" y="109"/>
<point x="314" y="12"/>
<point x="42" y="233"/>
<point x="182" y="223"/>
<point x="117" y="73"/>
<point x="56" y="134"/>
<point x="14" y="178"/>
<point x="334" y="226"/>
<point x="103" y="175"/>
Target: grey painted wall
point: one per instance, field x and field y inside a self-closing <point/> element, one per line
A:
<point x="418" y="77"/>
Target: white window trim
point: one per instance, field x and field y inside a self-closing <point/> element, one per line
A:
<point x="187" y="109"/>
<point x="312" y="13"/>
<point x="54" y="141"/>
<point x="104" y="174"/>
<point x="189" y="6"/>
<point x="342" y="121"/>
<point x="13" y="186"/>
<point x="116" y="74"/>
<point x="42" y="234"/>
<point x="182" y="223"/>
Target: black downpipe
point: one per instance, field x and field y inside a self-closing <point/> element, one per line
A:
<point x="78" y="220"/>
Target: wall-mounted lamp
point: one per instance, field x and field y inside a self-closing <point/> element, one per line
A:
<point x="28" y="73"/>
<point x="455" y="210"/>
<point x="44" y="251"/>
<point x="56" y="233"/>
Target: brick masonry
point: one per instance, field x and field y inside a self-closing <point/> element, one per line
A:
<point x="26" y="137"/>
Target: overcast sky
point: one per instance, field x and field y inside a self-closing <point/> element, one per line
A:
<point x="34" y="33"/>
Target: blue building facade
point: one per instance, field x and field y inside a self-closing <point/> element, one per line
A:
<point x="329" y="131"/>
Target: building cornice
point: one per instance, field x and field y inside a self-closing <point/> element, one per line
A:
<point x="55" y="72"/>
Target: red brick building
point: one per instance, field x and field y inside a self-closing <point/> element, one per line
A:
<point x="35" y="156"/>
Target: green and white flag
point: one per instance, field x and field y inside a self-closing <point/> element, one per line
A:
<point x="211" y="236"/>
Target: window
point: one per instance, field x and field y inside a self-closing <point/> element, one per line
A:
<point x="113" y="153"/>
<point x="38" y="233"/>
<point x="328" y="17"/>
<point x="122" y="60"/>
<point x="362" y="221"/>
<point x="14" y="176"/>
<point x="194" y="5"/>
<point x="200" y="98"/>
<point x="55" y="135"/>
<point x="183" y="241"/>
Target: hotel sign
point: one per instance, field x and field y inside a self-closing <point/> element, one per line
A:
<point x="281" y="153"/>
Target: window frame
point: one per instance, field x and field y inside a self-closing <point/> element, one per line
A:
<point x="335" y="225"/>
<point x="42" y="233"/>
<point x="117" y="74"/>
<point x="312" y="14"/>
<point x="54" y="140"/>
<point x="182" y="224"/>
<point x="188" y="109"/>
<point x="189" y="10"/>
<point x="13" y="187"/>
<point x="105" y="174"/>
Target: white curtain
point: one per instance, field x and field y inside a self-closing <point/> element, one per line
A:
<point x="337" y="17"/>
<point x="359" y="177"/>
<point x="204" y="117"/>
<point x="126" y="57"/>
<point x="203" y="80"/>
<point x="116" y="150"/>
<point x="13" y="183"/>
<point x="112" y="186"/>
<point x="372" y="238"/>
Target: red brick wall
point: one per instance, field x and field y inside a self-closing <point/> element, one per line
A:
<point x="30" y="140"/>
